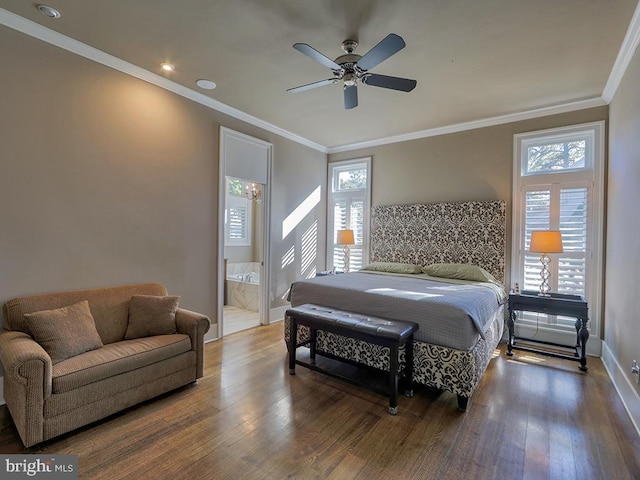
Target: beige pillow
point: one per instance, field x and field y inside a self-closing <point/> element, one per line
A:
<point x="391" y="267"/>
<point x="64" y="332"/>
<point x="151" y="315"/>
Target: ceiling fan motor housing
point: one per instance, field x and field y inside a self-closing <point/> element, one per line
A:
<point x="349" y="46"/>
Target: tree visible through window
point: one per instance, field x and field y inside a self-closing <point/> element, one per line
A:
<point x="556" y="157"/>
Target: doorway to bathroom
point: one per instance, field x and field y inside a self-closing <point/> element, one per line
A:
<point x="242" y="254"/>
<point x="243" y="272"/>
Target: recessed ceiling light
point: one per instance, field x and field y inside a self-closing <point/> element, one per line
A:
<point x="206" y="84"/>
<point x="167" y="67"/>
<point x="49" y="11"/>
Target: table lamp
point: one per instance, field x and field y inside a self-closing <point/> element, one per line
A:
<point x="345" y="238"/>
<point x="545" y="242"/>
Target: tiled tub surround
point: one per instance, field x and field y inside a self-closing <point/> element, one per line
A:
<point x="243" y="285"/>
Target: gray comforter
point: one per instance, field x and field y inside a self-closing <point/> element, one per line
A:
<point x="451" y="313"/>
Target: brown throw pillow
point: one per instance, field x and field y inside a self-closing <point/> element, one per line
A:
<point x="151" y="315"/>
<point x="64" y="332"/>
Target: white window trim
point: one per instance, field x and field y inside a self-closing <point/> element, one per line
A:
<point x="331" y="195"/>
<point x="233" y="201"/>
<point x="596" y="176"/>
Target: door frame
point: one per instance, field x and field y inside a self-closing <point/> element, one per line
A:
<point x="226" y="136"/>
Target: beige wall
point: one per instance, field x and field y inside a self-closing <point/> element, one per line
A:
<point x="464" y="166"/>
<point x="622" y="302"/>
<point x="106" y="179"/>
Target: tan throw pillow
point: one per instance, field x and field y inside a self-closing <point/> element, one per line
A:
<point x="392" y="267"/>
<point x="64" y="332"/>
<point x="151" y="315"/>
<point x="459" y="271"/>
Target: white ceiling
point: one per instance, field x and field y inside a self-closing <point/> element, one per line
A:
<point x="472" y="59"/>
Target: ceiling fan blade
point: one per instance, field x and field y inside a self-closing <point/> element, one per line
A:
<point x="394" y="83"/>
<point x="316" y="55"/>
<point x="350" y="97"/>
<point x="389" y="45"/>
<point x="309" y="86"/>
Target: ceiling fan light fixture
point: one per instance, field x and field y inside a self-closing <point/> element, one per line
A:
<point x="350" y="79"/>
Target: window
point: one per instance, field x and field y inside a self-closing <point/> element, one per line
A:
<point x="349" y="198"/>
<point x="238" y="214"/>
<point x="558" y="185"/>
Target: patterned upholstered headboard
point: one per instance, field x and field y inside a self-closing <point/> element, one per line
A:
<point x="422" y="234"/>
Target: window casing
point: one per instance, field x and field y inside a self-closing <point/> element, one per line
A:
<point x="558" y="185"/>
<point x="349" y="204"/>
<point x="238" y="214"/>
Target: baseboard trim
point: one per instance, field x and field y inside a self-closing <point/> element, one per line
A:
<point x="626" y="391"/>
<point x="277" y="314"/>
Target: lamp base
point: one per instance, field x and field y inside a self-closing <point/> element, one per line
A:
<point x="346" y="259"/>
<point x="544" y="275"/>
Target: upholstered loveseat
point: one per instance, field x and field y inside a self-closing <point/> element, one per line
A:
<point x="97" y="352"/>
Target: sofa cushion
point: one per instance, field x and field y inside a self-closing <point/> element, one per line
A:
<point x="64" y="332"/>
<point x="114" y="359"/>
<point x="82" y="405"/>
<point x="151" y="315"/>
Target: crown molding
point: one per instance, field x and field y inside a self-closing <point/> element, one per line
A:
<point x="52" y="37"/>
<point x="625" y="55"/>
<point x="485" y="122"/>
<point x="33" y="29"/>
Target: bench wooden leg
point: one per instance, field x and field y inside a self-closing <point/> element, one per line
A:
<point x="312" y="346"/>
<point x="408" y="350"/>
<point x="393" y="380"/>
<point x="293" y="338"/>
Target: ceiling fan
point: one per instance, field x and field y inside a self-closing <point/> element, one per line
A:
<point x="351" y="68"/>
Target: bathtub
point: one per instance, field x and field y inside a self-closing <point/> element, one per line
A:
<point x="243" y="285"/>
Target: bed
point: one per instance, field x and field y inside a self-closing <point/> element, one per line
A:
<point x="415" y="252"/>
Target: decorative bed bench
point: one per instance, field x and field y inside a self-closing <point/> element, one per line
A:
<point x="377" y="331"/>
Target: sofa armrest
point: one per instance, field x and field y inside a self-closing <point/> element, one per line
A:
<point x="27" y="383"/>
<point x="195" y="325"/>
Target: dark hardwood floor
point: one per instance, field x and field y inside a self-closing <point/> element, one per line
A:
<point x="532" y="417"/>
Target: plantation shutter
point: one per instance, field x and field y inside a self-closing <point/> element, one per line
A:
<point x="357" y="224"/>
<point x="574" y="204"/>
<point x="237" y="223"/>
<point x="340" y="217"/>
<point x="537" y="217"/>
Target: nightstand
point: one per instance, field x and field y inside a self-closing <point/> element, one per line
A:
<point x="573" y="306"/>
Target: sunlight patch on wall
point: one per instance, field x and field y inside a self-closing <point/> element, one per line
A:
<point x="301" y="211"/>
<point x="309" y="250"/>
<point x="288" y="257"/>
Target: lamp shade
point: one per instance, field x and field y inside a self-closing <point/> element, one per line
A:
<point x="546" y="241"/>
<point x="345" y="237"/>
